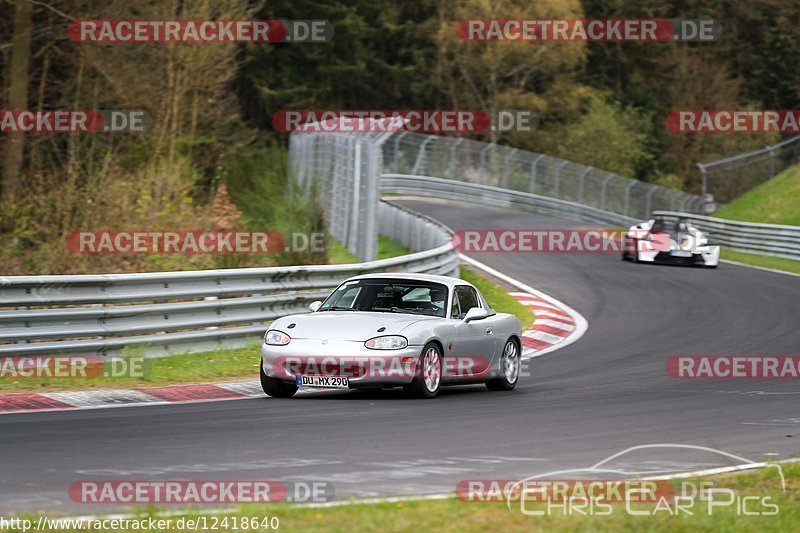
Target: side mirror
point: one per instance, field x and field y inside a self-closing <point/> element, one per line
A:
<point x="314" y="306"/>
<point x="476" y="313"/>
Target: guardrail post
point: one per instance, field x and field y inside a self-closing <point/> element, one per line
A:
<point x="580" y="184"/>
<point x="557" y="183"/>
<point x="603" y="191"/>
<point x="451" y="167"/>
<point x="505" y="166"/>
<point x="483" y="163"/>
<point x="534" y="163"/>
<point x="628" y="196"/>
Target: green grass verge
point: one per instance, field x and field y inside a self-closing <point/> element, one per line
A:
<point x="219" y="365"/>
<point x="499" y="299"/>
<point x="452" y="515"/>
<point x="242" y="363"/>
<point x="339" y="255"/>
<point x="776" y="201"/>
<point x="766" y="261"/>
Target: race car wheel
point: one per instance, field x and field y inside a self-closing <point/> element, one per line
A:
<point x="274" y="387"/>
<point x="428" y="380"/>
<point x="635" y="252"/>
<point x="509" y="368"/>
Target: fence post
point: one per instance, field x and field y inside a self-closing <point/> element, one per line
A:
<point x="649" y="200"/>
<point x="603" y="191"/>
<point x="674" y="197"/>
<point x="534" y="163"/>
<point x="628" y="196"/>
<point x="483" y="163"/>
<point x="418" y="164"/>
<point x="683" y="203"/>
<point x="557" y="184"/>
<point x="509" y="153"/>
<point x="580" y="184"/>
<point x="703" y="176"/>
<point x="771" y="150"/>
<point x="397" y="140"/>
<point x="451" y="169"/>
<point x="352" y="231"/>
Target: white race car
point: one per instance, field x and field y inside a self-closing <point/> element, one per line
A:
<point x="660" y="240"/>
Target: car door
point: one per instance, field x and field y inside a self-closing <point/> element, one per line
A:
<point x="475" y="341"/>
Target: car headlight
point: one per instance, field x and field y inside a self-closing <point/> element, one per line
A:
<point x="387" y="342"/>
<point x="274" y="337"/>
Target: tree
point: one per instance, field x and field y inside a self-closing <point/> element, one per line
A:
<point x="17" y="96"/>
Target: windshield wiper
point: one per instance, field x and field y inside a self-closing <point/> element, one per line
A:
<point x="336" y="308"/>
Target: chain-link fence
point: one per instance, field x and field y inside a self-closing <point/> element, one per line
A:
<point x="511" y="168"/>
<point x="730" y="177"/>
<point x="342" y="171"/>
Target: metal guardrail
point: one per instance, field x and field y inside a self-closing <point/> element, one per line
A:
<point x="497" y="197"/>
<point x="174" y="312"/>
<point x="751" y="237"/>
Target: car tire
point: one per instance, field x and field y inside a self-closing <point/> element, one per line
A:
<point x="510" y="362"/>
<point x="275" y="387"/>
<point x="429" y="382"/>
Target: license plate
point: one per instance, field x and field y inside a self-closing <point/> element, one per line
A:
<point x="680" y="253"/>
<point x="323" y="382"/>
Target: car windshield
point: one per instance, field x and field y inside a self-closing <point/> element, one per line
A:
<point x="388" y="296"/>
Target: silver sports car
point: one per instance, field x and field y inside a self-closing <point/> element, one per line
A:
<point x="417" y="331"/>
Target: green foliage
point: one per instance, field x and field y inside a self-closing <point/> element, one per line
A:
<point x="261" y="185"/>
<point x="607" y="137"/>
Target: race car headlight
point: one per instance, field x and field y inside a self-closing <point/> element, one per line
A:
<point x="387" y="342"/>
<point x="274" y="337"/>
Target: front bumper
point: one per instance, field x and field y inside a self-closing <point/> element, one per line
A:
<point x="704" y="258"/>
<point x="363" y="367"/>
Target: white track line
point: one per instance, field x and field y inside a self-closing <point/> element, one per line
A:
<point x="737" y="263"/>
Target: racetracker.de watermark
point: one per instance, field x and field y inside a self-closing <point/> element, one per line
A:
<point x="733" y="367"/>
<point x="200" y="31"/>
<point x="398" y="120"/>
<point x="192" y="242"/>
<point x="593" y="30"/>
<point x="456" y="367"/>
<point x="734" y="121"/>
<point x="74" y="121"/>
<point x="559" y="240"/>
<point x="208" y="492"/>
<point x="72" y="367"/>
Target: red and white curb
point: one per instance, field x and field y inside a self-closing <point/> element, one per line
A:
<point x="107" y="398"/>
<point x="556" y="325"/>
<point x="552" y="325"/>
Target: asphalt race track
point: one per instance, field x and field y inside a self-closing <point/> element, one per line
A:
<point x="605" y="393"/>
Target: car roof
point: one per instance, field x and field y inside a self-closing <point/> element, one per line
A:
<point x="444" y="280"/>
